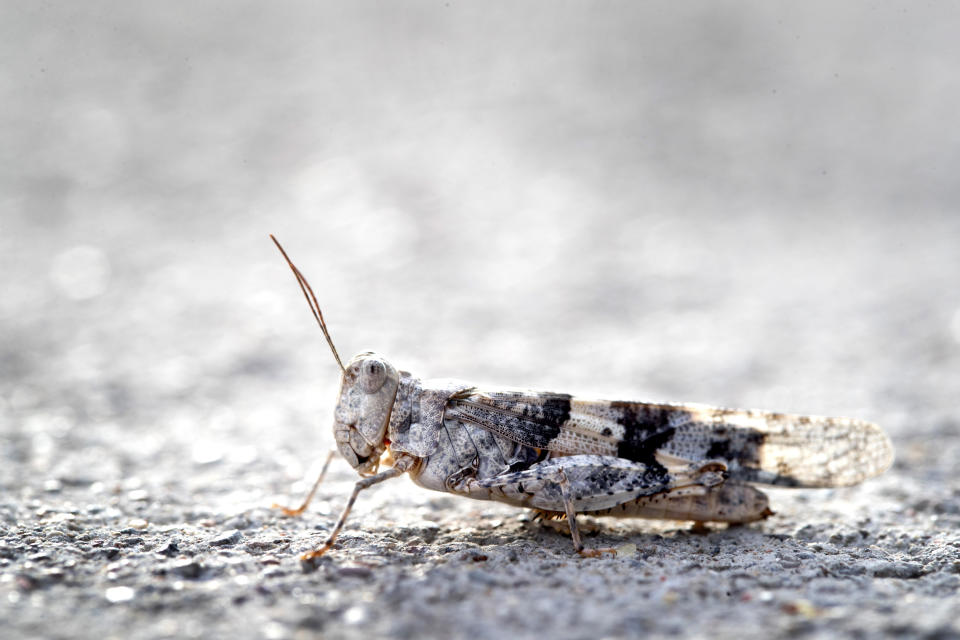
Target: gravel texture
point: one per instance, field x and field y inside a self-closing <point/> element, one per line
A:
<point x="743" y="207"/>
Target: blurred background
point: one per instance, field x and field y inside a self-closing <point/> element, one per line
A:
<point x="737" y="203"/>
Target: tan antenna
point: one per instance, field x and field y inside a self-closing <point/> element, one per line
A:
<point x="311" y="301"/>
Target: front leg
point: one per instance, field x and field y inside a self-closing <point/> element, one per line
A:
<point x="288" y="511"/>
<point x="403" y="464"/>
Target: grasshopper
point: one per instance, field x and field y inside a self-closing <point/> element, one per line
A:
<point x="563" y="455"/>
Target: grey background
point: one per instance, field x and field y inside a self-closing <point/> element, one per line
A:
<point x="745" y="204"/>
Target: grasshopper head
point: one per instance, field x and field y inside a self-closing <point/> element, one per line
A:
<point x="367" y="390"/>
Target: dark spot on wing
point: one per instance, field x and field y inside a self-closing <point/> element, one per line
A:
<point x="643" y="418"/>
<point x="740" y="449"/>
<point x="646" y="429"/>
<point x="532" y="423"/>
<point x="644" y="451"/>
<point x="741" y="445"/>
<point x="555" y="409"/>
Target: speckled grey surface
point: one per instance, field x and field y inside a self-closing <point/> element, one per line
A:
<point x="745" y="206"/>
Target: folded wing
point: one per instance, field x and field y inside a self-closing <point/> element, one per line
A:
<point x="757" y="446"/>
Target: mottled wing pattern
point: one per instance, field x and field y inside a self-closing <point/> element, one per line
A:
<point x="757" y="446"/>
<point x="786" y="449"/>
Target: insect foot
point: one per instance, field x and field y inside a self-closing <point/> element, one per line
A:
<point x="597" y="553"/>
<point x="287" y="511"/>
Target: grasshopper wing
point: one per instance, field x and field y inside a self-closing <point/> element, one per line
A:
<point x="757" y="446"/>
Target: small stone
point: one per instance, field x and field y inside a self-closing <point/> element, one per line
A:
<point x="902" y="570"/>
<point x="237" y="522"/>
<point x="482" y="578"/>
<point x="119" y="594"/>
<point x="187" y="568"/>
<point x="54" y="575"/>
<point x="355" y="571"/>
<point x="261" y="545"/>
<point x="110" y="552"/>
<point x="803" y="608"/>
<point x="27" y="582"/>
<point x="274" y="631"/>
<point x="172" y="548"/>
<point x="207" y="454"/>
<point x="10" y="551"/>
<point x="226" y="539"/>
<point x="138" y="523"/>
<point x="354" y="615"/>
<point x="313" y="621"/>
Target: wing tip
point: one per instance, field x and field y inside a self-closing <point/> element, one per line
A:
<point x="877" y="453"/>
<point x="834" y="452"/>
<point x="884" y="445"/>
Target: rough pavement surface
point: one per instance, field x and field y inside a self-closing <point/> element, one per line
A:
<point x="737" y="207"/>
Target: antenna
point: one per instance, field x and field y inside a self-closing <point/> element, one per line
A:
<point x="311" y="301"/>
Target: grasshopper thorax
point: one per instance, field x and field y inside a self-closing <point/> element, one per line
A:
<point x="367" y="391"/>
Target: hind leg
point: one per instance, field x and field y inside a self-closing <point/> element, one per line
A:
<point x="573" y="484"/>
<point x="729" y="502"/>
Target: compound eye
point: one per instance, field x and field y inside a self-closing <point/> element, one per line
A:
<point x="373" y="374"/>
